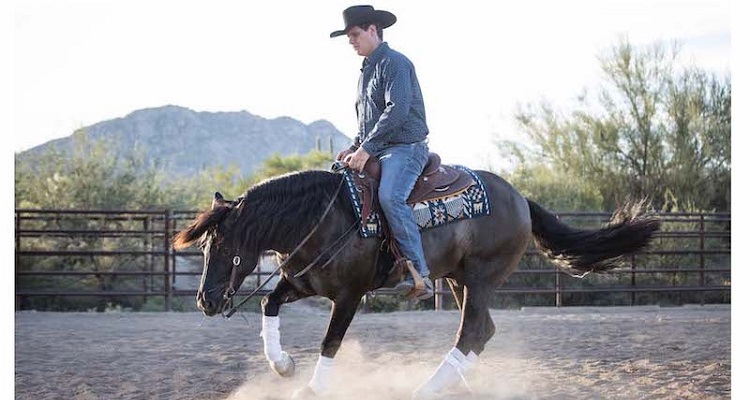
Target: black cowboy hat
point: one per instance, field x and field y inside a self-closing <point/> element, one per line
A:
<point x="358" y="15"/>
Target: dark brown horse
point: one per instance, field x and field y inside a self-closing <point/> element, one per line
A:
<point x="288" y="215"/>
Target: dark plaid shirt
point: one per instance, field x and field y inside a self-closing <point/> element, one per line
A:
<point x="390" y="109"/>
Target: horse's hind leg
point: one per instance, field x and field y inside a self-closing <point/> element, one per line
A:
<point x="480" y="280"/>
<point x="477" y="327"/>
<point x="279" y="360"/>
<point x="460" y="358"/>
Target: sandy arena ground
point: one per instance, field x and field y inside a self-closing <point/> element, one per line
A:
<point x="537" y="353"/>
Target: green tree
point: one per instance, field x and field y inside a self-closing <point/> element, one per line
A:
<point x="555" y="190"/>
<point x="277" y="165"/>
<point x="196" y="192"/>
<point x="91" y="176"/>
<point x="655" y="132"/>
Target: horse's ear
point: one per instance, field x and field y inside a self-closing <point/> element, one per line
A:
<point x="218" y="200"/>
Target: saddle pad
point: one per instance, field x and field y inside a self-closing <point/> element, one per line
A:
<point x="470" y="203"/>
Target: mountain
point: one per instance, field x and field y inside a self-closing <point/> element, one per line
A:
<point x="183" y="142"/>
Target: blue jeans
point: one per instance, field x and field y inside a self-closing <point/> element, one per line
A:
<point x="400" y="166"/>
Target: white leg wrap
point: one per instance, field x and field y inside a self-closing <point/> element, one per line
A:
<point x="458" y="356"/>
<point x="470" y="359"/>
<point x="449" y="373"/>
<point x="321" y="379"/>
<point x="279" y="360"/>
<point x="271" y="338"/>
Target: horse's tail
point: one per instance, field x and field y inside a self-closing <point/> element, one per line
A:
<point x="582" y="251"/>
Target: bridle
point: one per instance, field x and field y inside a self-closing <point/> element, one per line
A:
<point x="232" y="287"/>
<point x="236" y="260"/>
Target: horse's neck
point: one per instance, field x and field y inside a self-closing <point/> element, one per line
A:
<point x="289" y="219"/>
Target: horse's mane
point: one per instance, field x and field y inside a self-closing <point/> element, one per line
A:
<point x="285" y="209"/>
<point x="281" y="209"/>
<point x="202" y="223"/>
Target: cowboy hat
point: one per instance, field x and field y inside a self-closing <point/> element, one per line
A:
<point x="358" y="15"/>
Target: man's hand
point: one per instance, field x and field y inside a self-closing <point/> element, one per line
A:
<point x="344" y="153"/>
<point x="357" y="160"/>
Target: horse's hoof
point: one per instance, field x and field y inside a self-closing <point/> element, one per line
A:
<point x="454" y="391"/>
<point x="285" y="366"/>
<point x="423" y="395"/>
<point x="303" y="393"/>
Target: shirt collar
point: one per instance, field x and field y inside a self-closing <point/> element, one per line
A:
<point x="376" y="55"/>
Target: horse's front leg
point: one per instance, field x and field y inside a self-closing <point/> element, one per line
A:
<point x="279" y="360"/>
<point x="342" y="313"/>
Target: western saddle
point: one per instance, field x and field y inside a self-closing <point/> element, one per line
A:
<point x="435" y="182"/>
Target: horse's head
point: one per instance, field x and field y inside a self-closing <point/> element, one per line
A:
<point x="226" y="263"/>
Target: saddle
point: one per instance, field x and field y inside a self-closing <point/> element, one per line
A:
<point x="436" y="181"/>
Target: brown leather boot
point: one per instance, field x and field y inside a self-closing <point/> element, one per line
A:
<point x="408" y="289"/>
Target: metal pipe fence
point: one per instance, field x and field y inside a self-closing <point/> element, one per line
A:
<point x="96" y="257"/>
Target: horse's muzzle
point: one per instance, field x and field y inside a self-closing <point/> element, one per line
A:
<point x="210" y="307"/>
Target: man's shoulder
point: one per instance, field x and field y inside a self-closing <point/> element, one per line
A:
<point x="393" y="53"/>
<point x="395" y="56"/>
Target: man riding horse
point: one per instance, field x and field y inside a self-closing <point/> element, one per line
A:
<point x="393" y="130"/>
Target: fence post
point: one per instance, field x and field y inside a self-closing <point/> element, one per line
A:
<point x="439" y="294"/>
<point x="703" y="259"/>
<point x="632" y="279"/>
<point x="558" y="281"/>
<point x="18" y="264"/>
<point x="167" y="251"/>
<point x="150" y="258"/>
<point x="558" y="289"/>
<point x="173" y="221"/>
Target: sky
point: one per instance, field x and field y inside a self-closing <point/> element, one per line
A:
<point x="81" y="62"/>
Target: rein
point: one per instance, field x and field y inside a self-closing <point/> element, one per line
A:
<point x="236" y="261"/>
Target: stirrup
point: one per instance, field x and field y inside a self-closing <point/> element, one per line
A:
<point x="425" y="293"/>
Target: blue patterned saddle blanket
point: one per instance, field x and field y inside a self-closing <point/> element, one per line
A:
<point x="472" y="202"/>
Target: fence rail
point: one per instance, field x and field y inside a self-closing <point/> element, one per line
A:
<point x="128" y="254"/>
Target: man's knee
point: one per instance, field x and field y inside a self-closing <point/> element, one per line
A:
<point x="390" y="201"/>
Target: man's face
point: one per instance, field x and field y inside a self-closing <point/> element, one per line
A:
<point x="364" y="41"/>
